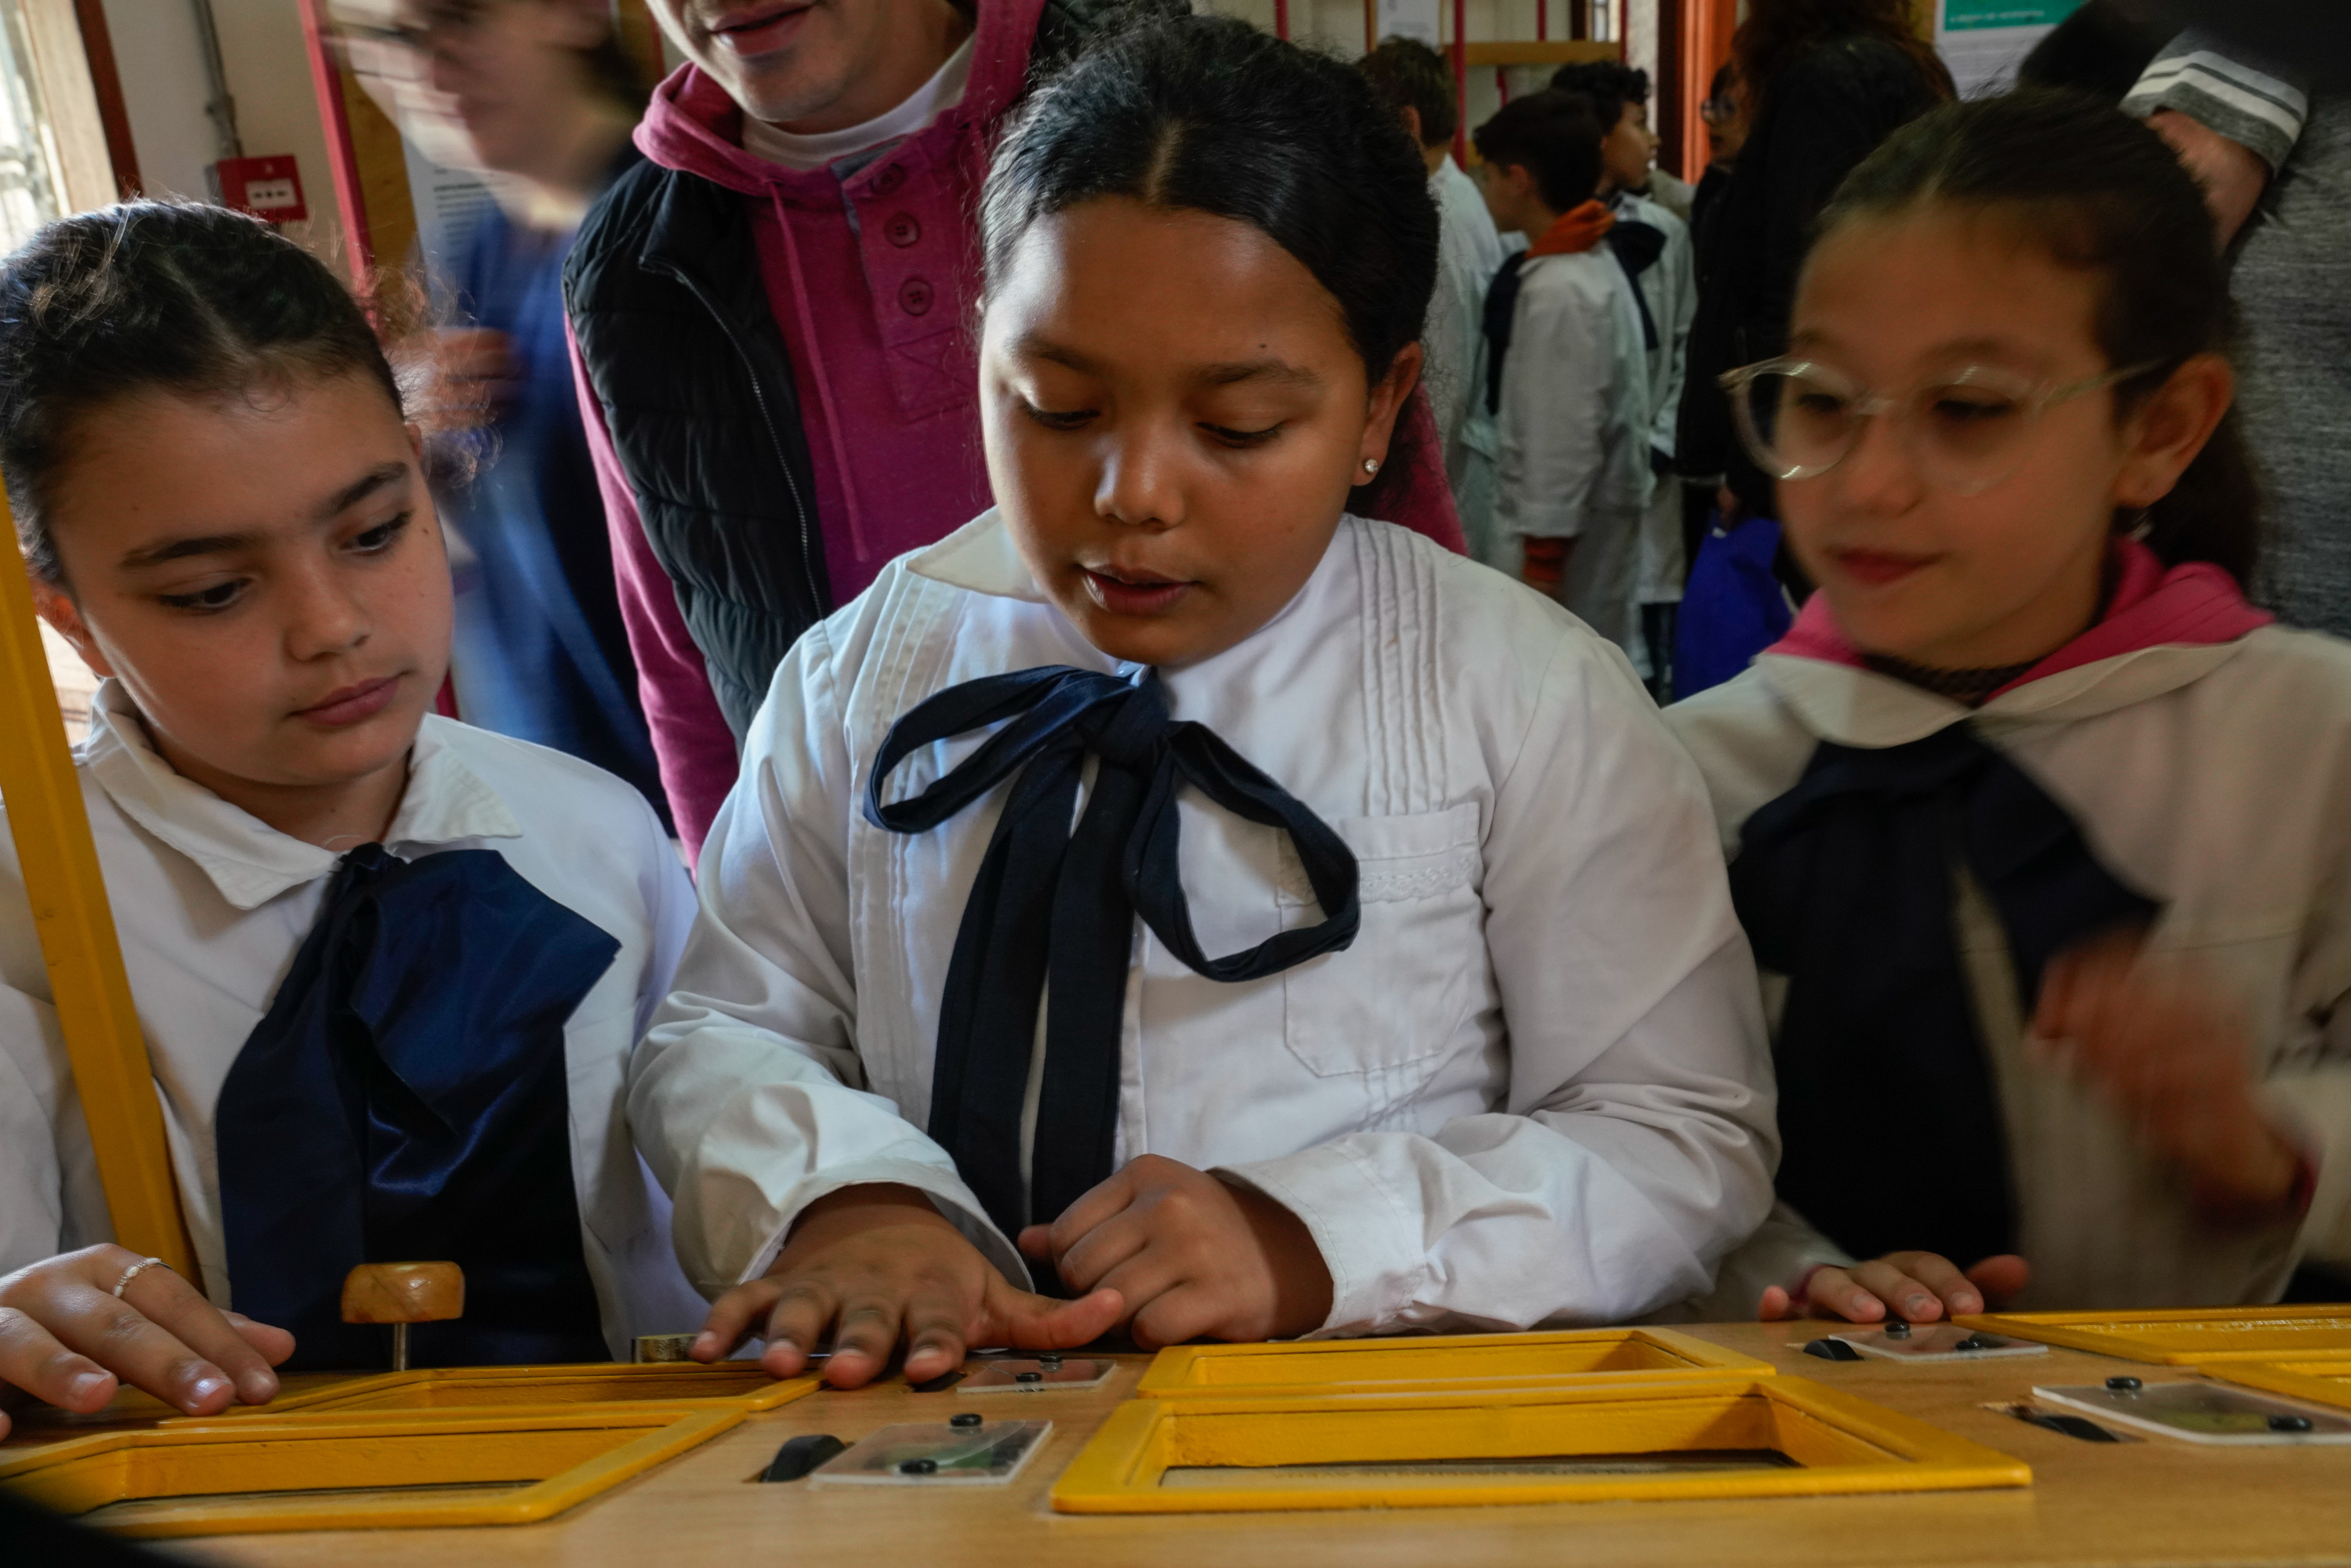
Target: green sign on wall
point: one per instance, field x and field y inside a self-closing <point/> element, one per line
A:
<point x="1966" y="16"/>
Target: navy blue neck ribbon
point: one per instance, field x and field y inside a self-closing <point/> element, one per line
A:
<point x="1889" y="1114"/>
<point x="406" y="1100"/>
<point x="1050" y="905"/>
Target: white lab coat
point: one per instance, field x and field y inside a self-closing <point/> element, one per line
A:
<point x="1576" y="421"/>
<point x="1468" y="254"/>
<point x="1670" y="287"/>
<point x="2218" y="781"/>
<point x="1534" y="1088"/>
<point x="211" y="905"/>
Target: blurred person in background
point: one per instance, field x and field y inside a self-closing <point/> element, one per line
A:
<point x="2099" y="49"/>
<point x="1823" y="82"/>
<point x="1413" y="81"/>
<point x="1630" y="149"/>
<point x="540" y="96"/>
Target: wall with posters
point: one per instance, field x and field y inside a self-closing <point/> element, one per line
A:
<point x="1982" y="41"/>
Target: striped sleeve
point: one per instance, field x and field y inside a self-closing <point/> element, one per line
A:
<point x="2221" y="87"/>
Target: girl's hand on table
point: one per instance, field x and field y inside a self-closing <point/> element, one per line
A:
<point x="1918" y="1286"/>
<point x="67" y="1339"/>
<point x="2159" y="1040"/>
<point x="1193" y="1256"/>
<point x="876" y="1267"/>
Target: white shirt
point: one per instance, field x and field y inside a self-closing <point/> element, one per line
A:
<point x="1671" y="285"/>
<point x="1468" y="254"/>
<point x="1575" y="407"/>
<point x="942" y="92"/>
<point x="2213" y="778"/>
<point x="210" y="906"/>
<point x="1534" y="1088"/>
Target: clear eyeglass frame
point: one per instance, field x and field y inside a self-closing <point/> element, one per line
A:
<point x="1967" y="473"/>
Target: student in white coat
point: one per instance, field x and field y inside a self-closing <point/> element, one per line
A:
<point x="389" y="968"/>
<point x="1415" y="82"/>
<point x="1480" y="1046"/>
<point x="2043" y="833"/>
<point x="1569" y="385"/>
<point x="1653" y="243"/>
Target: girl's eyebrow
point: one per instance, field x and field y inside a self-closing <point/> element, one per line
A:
<point x="164" y="551"/>
<point x="1029" y="345"/>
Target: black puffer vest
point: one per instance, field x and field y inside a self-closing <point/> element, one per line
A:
<point x="698" y="394"/>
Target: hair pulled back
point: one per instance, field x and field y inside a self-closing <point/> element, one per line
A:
<point x="2102" y="194"/>
<point x="194" y="301"/>
<point x="1208" y="114"/>
<point x="1408" y="74"/>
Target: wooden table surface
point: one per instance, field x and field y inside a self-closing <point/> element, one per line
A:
<point x="2153" y="1502"/>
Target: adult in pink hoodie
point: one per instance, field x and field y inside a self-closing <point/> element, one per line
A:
<point x="865" y="266"/>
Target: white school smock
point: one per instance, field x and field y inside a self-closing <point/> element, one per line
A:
<point x="2216" y="780"/>
<point x="1533" y="1089"/>
<point x="1468" y="254"/>
<point x="1575" y="421"/>
<point x="211" y="905"/>
<point x="1671" y="285"/>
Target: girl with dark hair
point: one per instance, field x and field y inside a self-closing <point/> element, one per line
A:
<point x="2039" y="824"/>
<point x="1479" y="1044"/>
<point x="388" y="966"/>
<point x="1822" y="82"/>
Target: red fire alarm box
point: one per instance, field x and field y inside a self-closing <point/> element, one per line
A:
<point x="268" y="188"/>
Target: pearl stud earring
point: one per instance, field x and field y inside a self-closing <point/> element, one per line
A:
<point x="1371" y="464"/>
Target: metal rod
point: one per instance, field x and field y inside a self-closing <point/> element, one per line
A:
<point x="400" y="1347"/>
<point x="219" y="106"/>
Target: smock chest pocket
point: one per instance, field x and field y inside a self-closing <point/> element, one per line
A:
<point x="1400" y="992"/>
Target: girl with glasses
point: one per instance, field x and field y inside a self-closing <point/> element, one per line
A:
<point x="2038" y="824"/>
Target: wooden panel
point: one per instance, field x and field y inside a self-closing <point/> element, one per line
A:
<point x="2187" y="1336"/>
<point x="1395" y="1451"/>
<point x="393" y="1473"/>
<point x="98" y="47"/>
<point x="64" y="78"/>
<point x="76" y="924"/>
<point x="1438" y="1361"/>
<point x="1534" y="52"/>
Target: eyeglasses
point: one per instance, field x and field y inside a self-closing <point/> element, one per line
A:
<point x="1967" y="429"/>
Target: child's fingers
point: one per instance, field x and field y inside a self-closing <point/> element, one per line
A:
<point x="1174" y="1316"/>
<point x="1034" y="1241"/>
<point x="273" y="1343"/>
<point x="32" y="1359"/>
<point x="933" y="1329"/>
<point x="1015" y="1317"/>
<point x="1899" y="1290"/>
<point x="864" y="1334"/>
<point x="182" y="1311"/>
<point x="125" y="1341"/>
<point x="1104" y="1199"/>
<point x="1777" y="1306"/>
<point x="730" y="1320"/>
<point x="1954" y="1292"/>
<point x="1091" y="1260"/>
<point x="1836" y="1293"/>
<point x="2000" y="1277"/>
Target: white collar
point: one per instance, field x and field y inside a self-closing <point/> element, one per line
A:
<point x="794" y="150"/>
<point x="249" y="861"/>
<point x="980" y="556"/>
<point x="1863" y="709"/>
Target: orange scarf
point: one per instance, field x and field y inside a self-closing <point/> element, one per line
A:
<point x="1573" y="233"/>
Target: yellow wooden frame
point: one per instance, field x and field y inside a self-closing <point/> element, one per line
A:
<point x="2185" y="1336"/>
<point x="1323" y="1367"/>
<point x="1841" y="1443"/>
<point x="487" y="1390"/>
<point x="2320" y="1381"/>
<point x="86" y="980"/>
<point x="212" y="1478"/>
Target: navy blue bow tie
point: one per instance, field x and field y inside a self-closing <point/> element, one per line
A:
<point x="1845" y="884"/>
<point x="1054" y="907"/>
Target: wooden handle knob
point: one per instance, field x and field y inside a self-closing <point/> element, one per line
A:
<point x="404" y="1293"/>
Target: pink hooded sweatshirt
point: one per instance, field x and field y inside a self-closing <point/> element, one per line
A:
<point x="873" y="277"/>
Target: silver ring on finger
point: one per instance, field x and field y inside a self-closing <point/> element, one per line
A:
<point x="134" y="1272"/>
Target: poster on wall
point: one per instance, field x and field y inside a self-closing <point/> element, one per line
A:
<point x="1983" y="41"/>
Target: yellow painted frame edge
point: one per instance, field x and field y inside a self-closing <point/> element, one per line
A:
<point x="2059" y="1329"/>
<point x="662" y="1440"/>
<point x="1105" y="1477"/>
<point x="1167" y="1375"/>
<point x="2275" y="1378"/>
<point x="87" y="984"/>
<point x="331" y="1400"/>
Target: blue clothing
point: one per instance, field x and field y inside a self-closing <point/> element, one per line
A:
<point x="541" y="654"/>
<point x="1733" y="607"/>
